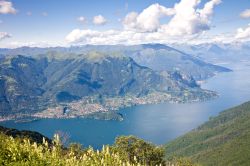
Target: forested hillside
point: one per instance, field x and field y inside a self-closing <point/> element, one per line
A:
<point x="223" y="140"/>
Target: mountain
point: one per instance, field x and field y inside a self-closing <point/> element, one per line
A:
<point x="158" y="57"/>
<point x="223" y="140"/>
<point x="164" y="58"/>
<point x="90" y="82"/>
<point x="218" y="52"/>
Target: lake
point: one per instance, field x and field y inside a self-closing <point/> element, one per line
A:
<point x="158" y="123"/>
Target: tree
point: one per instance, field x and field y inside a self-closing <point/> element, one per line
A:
<point x="133" y="149"/>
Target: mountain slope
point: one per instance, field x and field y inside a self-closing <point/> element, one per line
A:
<point x="164" y="58"/>
<point x="158" y="57"/>
<point x="223" y="140"/>
<point x="21" y="79"/>
<point x="36" y="83"/>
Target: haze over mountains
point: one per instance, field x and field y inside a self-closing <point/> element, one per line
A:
<point x="217" y="52"/>
<point x="158" y="57"/>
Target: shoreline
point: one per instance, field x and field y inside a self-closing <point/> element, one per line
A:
<point x="107" y="108"/>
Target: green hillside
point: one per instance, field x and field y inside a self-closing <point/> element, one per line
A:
<point x="22" y="148"/>
<point x="223" y="140"/>
<point x="56" y="81"/>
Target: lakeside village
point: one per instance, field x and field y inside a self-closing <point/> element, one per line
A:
<point x="96" y="104"/>
<point x="106" y="107"/>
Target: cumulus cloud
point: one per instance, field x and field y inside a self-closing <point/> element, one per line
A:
<point x="96" y="37"/>
<point x="148" y="20"/>
<point x="243" y="33"/>
<point x="110" y="37"/>
<point x="186" y="22"/>
<point x="188" y="19"/>
<point x="99" y="20"/>
<point x="245" y="14"/>
<point x="4" y="35"/>
<point x="81" y="19"/>
<point x="7" y="7"/>
<point x="207" y="11"/>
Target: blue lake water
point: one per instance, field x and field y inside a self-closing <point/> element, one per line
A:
<point x="155" y="123"/>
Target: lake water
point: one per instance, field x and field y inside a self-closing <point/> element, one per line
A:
<point x="155" y="123"/>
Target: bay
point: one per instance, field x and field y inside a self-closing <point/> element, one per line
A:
<point x="157" y="123"/>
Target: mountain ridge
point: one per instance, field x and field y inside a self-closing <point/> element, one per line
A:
<point x="149" y="55"/>
<point x="54" y="81"/>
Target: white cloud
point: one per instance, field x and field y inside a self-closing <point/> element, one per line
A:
<point x="7" y="7"/>
<point x="129" y="21"/>
<point x="189" y="20"/>
<point x="94" y="37"/>
<point x="207" y="11"/>
<point x="243" y="34"/>
<point x="111" y="37"/>
<point x="4" y="35"/>
<point x="99" y="20"/>
<point x="245" y="14"/>
<point x="81" y="19"/>
<point x="148" y="20"/>
<point x="186" y="22"/>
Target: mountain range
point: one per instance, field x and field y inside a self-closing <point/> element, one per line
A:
<point x="217" y="52"/>
<point x="35" y="79"/>
<point x="158" y="57"/>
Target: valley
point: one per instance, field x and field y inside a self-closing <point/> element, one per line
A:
<point x="157" y="123"/>
<point x="125" y="83"/>
<point x="83" y="82"/>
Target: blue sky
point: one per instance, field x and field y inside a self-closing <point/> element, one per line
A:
<point x="51" y="21"/>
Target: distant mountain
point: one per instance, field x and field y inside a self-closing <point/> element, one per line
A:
<point x="163" y="58"/>
<point x="218" y="52"/>
<point x="34" y="83"/>
<point x="223" y="140"/>
<point x="158" y="57"/>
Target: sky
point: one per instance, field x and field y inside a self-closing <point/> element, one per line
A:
<point x="72" y="22"/>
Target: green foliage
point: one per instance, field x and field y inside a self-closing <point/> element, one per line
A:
<point x="137" y="150"/>
<point x="181" y="162"/>
<point x="223" y="140"/>
<point x="127" y="151"/>
<point x="23" y="152"/>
